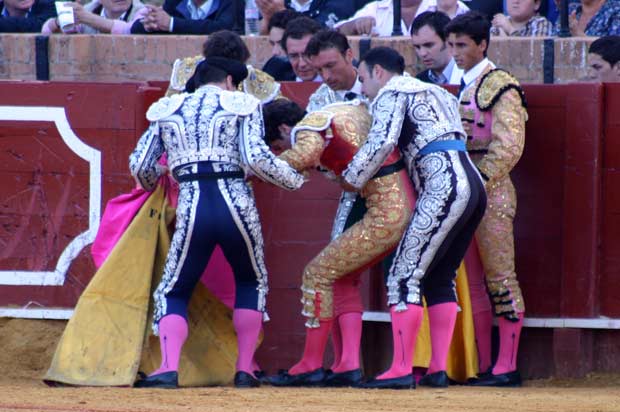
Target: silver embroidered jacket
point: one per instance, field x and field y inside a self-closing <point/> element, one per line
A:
<point x="323" y="96"/>
<point x="409" y="107"/>
<point x="210" y="124"/>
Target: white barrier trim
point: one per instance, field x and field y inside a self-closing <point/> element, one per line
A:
<point x="93" y="157"/>
<point x="556" y="323"/>
<point x="39" y="313"/>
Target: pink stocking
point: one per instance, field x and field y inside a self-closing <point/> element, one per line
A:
<point x="248" y="324"/>
<point x="480" y="306"/>
<point x="405" y="327"/>
<point x="509" y="334"/>
<point x="336" y="343"/>
<point x="351" y="332"/>
<point x="442" y="318"/>
<point x="316" y="340"/>
<point x="172" y="335"/>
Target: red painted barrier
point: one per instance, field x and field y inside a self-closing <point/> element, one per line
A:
<point x="566" y="226"/>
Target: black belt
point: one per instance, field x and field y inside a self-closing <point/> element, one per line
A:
<point x="388" y="170"/>
<point x="210" y="175"/>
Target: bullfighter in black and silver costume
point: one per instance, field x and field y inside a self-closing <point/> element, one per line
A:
<point x="423" y="121"/>
<point x="213" y="138"/>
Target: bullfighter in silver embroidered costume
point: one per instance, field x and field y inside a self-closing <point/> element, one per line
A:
<point x="423" y="121"/>
<point x="213" y="137"/>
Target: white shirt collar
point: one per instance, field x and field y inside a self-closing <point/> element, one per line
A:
<point x="470" y="76"/>
<point x="199" y="13"/>
<point x="301" y="8"/>
<point x="103" y="14"/>
<point x="357" y="89"/>
<point x="318" y="78"/>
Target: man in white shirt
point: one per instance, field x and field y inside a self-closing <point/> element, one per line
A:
<point x="330" y="54"/>
<point x="377" y="17"/>
<point x="429" y="42"/>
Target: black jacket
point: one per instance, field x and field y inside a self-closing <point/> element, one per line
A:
<point x="488" y="7"/>
<point x="423" y="75"/>
<point x="280" y="69"/>
<point x="328" y="12"/>
<point x="220" y="18"/>
<point x="40" y="11"/>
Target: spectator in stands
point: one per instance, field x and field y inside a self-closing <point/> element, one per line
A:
<point x="326" y="12"/>
<point x="452" y="8"/>
<point x="592" y="18"/>
<point x="523" y="20"/>
<point x="604" y="59"/>
<point x="102" y="16"/>
<point x="25" y="16"/>
<point x="377" y="17"/>
<point x="488" y="7"/>
<point x="429" y="42"/>
<point x="296" y="37"/>
<point x="278" y="65"/>
<point x="186" y="17"/>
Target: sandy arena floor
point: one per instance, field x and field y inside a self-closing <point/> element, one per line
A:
<point x="26" y="348"/>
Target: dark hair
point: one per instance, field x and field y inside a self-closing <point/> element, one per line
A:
<point x="279" y="112"/>
<point x="300" y="27"/>
<point x="281" y="18"/>
<point x="436" y="20"/>
<point x="215" y="70"/>
<point x="327" y="39"/>
<point x="228" y="44"/>
<point x="473" y="24"/>
<point x="385" y="57"/>
<point x="608" y="47"/>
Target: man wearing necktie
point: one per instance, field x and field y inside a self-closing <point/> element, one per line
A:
<point x="492" y="107"/>
<point x="429" y="43"/>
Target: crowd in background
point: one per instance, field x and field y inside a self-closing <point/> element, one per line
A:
<point x="358" y="17"/>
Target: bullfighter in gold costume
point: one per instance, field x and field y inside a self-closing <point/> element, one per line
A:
<point x="330" y="137"/>
<point x="492" y="107"/>
<point x="228" y="44"/>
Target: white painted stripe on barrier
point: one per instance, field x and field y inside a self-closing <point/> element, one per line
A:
<point x="93" y="157"/>
<point x="39" y="313"/>
<point x="559" y="323"/>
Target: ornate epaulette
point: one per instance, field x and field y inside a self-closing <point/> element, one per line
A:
<point x="260" y="85"/>
<point x="164" y="107"/>
<point x="316" y="121"/>
<point x="405" y="84"/>
<point x="239" y="103"/>
<point x="493" y="85"/>
<point x="182" y="70"/>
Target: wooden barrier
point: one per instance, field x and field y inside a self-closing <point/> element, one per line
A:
<point x="566" y="228"/>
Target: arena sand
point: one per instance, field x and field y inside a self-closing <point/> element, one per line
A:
<point x="26" y="348"/>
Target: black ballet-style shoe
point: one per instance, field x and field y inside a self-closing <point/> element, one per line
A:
<point x="509" y="379"/>
<point x="402" y="382"/>
<point x="312" y="378"/>
<point x="261" y="376"/>
<point x="342" y="379"/>
<point x="245" y="380"/>
<point x="435" y="380"/>
<point x="166" y="380"/>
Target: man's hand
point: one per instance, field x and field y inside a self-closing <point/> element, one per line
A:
<point x="269" y="7"/>
<point x="502" y="22"/>
<point x="156" y="19"/>
<point x="364" y="25"/>
<point x="80" y="15"/>
<point x="573" y="25"/>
